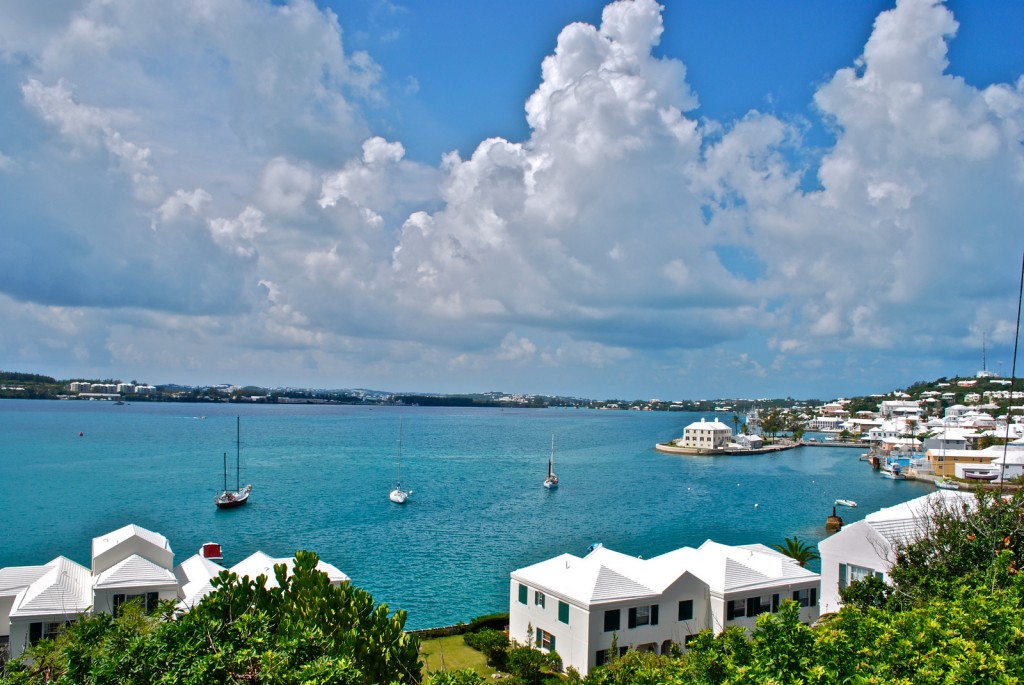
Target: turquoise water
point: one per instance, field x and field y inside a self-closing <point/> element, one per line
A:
<point x="321" y="476"/>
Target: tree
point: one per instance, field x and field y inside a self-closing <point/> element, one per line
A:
<point x="801" y="551"/>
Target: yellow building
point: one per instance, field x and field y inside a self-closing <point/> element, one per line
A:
<point x="943" y="462"/>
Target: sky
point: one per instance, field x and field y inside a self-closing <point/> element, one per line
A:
<point x="804" y="198"/>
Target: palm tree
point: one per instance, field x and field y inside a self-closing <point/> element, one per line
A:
<point x="801" y="551"/>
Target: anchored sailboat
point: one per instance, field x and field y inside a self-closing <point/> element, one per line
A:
<point x="551" y="482"/>
<point x="398" y="495"/>
<point x="229" y="499"/>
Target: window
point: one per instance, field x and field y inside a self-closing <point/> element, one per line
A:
<point x="735" y="608"/>
<point x="545" y="640"/>
<point x="611" y="620"/>
<point x="849" y="573"/>
<point x="45" y="631"/>
<point x="538" y="598"/>
<point x="601" y="658"/>
<point x="686" y="610"/>
<point x="643" y="616"/>
<point x="759" y="605"/>
<point x="523" y="590"/>
<point x="563" y="612"/>
<point x="808" y="597"/>
<point x="147" y="600"/>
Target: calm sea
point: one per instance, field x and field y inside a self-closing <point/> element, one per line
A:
<point x="321" y="476"/>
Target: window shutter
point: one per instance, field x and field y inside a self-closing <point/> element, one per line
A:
<point x="118" y="601"/>
<point x="540" y="637"/>
<point x="522" y="593"/>
<point x="152" y="599"/>
<point x="632" y="618"/>
<point x="751" y="606"/>
<point x="814" y="597"/>
<point x="879" y="575"/>
<point x="654" y="614"/>
<point x="730" y="611"/>
<point x="842" y="576"/>
<point x="775" y="603"/>
<point x="796" y="595"/>
<point x="563" y="612"/>
<point x="35" y="633"/>
<point x="552" y="638"/>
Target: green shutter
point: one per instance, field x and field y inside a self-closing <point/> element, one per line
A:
<point x="523" y="592"/>
<point x="632" y="618"/>
<point x="552" y="638"/>
<point x="654" y="614"/>
<point x="842" y="576"/>
<point x="563" y="612"/>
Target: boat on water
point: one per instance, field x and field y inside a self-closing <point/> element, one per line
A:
<point x="845" y="503"/>
<point x="229" y="499"/>
<point x="947" y="483"/>
<point x="551" y="482"/>
<point x="893" y="471"/>
<point x="398" y="494"/>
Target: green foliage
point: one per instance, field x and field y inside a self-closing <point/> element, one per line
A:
<point x="961" y="540"/>
<point x="867" y="593"/>
<point x="304" y="631"/>
<point x="526" y="664"/>
<point x="800" y="551"/>
<point x="495" y="621"/>
<point x="465" y="676"/>
<point x="493" y="643"/>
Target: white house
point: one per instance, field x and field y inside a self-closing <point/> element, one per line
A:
<point x="130" y="563"/>
<point x="577" y="606"/>
<point x="704" y="434"/>
<point x="867" y="547"/>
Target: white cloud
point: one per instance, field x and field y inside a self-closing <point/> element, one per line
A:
<point x="620" y="233"/>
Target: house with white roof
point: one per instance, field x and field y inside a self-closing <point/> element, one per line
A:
<point x="578" y="606"/>
<point x="132" y="563"/>
<point x="867" y="547"/>
<point x="706" y="435"/>
<point x="52" y="596"/>
<point x="128" y="564"/>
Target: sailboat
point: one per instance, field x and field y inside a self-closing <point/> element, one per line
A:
<point x="551" y="482"/>
<point x="229" y="499"/>
<point x="399" y="495"/>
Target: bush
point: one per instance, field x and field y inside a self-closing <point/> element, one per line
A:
<point x="495" y="621"/>
<point x="492" y="643"/>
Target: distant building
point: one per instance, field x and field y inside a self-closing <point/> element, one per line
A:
<point x="703" y="434"/>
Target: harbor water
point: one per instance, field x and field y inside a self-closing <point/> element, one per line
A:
<point x="70" y="471"/>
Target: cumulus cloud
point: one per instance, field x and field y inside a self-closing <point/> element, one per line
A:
<point x="212" y="182"/>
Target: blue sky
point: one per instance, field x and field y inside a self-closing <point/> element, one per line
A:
<point x="701" y="199"/>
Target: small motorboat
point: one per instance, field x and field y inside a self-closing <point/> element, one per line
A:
<point x="947" y="483"/>
<point x="845" y="503"/>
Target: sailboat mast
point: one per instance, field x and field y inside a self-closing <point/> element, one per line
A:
<point x="225" y="472"/>
<point x="551" y="459"/>
<point x="238" y="453"/>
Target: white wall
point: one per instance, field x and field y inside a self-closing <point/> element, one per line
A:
<point x="856" y="544"/>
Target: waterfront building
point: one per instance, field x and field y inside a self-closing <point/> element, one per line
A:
<point x="579" y="606"/>
<point x="704" y="434"/>
<point x="867" y="547"/>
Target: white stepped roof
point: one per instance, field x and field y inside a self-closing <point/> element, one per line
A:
<point x="104" y="543"/>
<point x="194" y="576"/>
<point x="260" y="563"/>
<point x="605" y="575"/>
<point x="65" y="590"/>
<point x="14" y="579"/>
<point x="135" y="571"/>
<point x="905" y="521"/>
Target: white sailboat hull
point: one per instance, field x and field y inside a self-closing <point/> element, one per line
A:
<point x="398" y="496"/>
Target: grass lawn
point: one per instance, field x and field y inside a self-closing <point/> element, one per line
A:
<point x="451" y="654"/>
